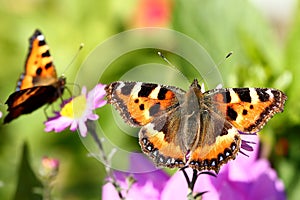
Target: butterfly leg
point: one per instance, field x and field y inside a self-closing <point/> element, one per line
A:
<point x="69" y="91"/>
<point x="45" y="110"/>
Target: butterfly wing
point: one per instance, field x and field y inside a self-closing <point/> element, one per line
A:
<point x="218" y="142"/>
<point x="39" y="68"/>
<point x="28" y="100"/>
<point x="247" y="109"/>
<point x="162" y="141"/>
<point x="224" y="113"/>
<point x="156" y="108"/>
<point x="139" y="103"/>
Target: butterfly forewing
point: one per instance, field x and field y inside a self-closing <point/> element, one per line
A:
<point x="247" y="109"/>
<point x="139" y="103"/>
<point x="39" y="68"/>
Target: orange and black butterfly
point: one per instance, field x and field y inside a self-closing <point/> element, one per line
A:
<point x="39" y="84"/>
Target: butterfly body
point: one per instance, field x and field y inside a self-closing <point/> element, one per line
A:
<point x="39" y="84"/>
<point x="192" y="128"/>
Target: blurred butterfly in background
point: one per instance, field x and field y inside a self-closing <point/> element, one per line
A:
<point x="39" y="84"/>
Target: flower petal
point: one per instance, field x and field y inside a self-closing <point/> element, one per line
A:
<point x="74" y="125"/>
<point x="93" y="117"/>
<point x="82" y="128"/>
<point x="57" y="124"/>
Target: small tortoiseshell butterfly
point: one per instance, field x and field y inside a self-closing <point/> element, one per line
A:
<point x="195" y="129"/>
<point x="39" y="84"/>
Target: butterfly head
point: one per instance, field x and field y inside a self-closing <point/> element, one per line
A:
<point x="62" y="81"/>
<point x="195" y="84"/>
<point x="195" y="87"/>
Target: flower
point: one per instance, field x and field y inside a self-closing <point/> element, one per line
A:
<point x="152" y="13"/>
<point x="77" y="110"/>
<point x="147" y="185"/>
<point x="49" y="168"/>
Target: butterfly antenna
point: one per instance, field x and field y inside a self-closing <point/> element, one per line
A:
<point x="74" y="57"/>
<point x="226" y="57"/>
<point x="220" y="63"/>
<point x="165" y="59"/>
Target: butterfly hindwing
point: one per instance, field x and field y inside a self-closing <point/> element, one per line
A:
<point x="28" y="100"/>
<point x="161" y="140"/>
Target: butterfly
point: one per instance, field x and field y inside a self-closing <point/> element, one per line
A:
<point x="193" y="128"/>
<point x="39" y="84"/>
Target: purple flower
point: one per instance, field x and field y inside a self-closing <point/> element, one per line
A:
<point x="77" y="110"/>
<point x="146" y="186"/>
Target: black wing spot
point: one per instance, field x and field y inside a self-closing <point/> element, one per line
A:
<point x="142" y="107"/>
<point x="245" y="112"/>
<point x="162" y="94"/>
<point x="39" y="71"/>
<point x="251" y="106"/>
<point x="48" y="65"/>
<point x="136" y="101"/>
<point x="42" y="42"/>
<point x="226" y="97"/>
<point x="263" y="95"/>
<point x="46" y="54"/>
<point x="244" y="94"/>
<point x="146" y="89"/>
<point x="232" y="114"/>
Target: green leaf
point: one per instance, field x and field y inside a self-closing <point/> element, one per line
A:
<point x="28" y="183"/>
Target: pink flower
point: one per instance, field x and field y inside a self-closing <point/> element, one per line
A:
<point x="152" y="13"/>
<point x="147" y="186"/>
<point x="49" y="168"/>
<point x="77" y="110"/>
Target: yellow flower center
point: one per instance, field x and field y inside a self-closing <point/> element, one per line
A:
<point x="75" y="108"/>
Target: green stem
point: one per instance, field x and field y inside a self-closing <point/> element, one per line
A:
<point x="92" y="130"/>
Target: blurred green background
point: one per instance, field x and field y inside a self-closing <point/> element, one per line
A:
<point x="265" y="40"/>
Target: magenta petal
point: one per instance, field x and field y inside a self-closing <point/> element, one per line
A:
<point x="96" y="95"/>
<point x="176" y="187"/>
<point x="147" y="186"/>
<point x="57" y="124"/>
<point x="83" y="91"/>
<point x="74" y="125"/>
<point x="265" y="188"/>
<point x="93" y="117"/>
<point x="109" y="192"/>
